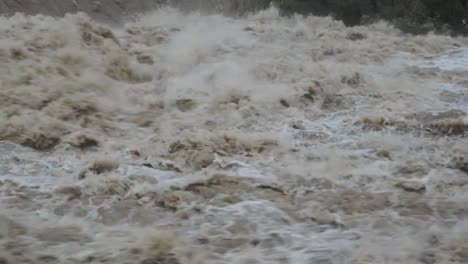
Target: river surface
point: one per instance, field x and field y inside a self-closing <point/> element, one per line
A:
<point x="196" y="139"/>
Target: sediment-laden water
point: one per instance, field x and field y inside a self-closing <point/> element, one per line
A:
<point x="189" y="138"/>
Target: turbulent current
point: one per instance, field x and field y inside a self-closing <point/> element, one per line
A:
<point x="182" y="138"/>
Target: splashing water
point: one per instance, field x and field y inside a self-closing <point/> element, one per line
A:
<point x="190" y="138"/>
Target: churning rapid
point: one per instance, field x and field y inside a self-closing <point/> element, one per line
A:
<point x="189" y="139"/>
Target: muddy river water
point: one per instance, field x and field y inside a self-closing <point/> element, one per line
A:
<point x="196" y="139"/>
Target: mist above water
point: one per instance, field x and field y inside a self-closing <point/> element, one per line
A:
<point x="118" y="11"/>
<point x="194" y="138"/>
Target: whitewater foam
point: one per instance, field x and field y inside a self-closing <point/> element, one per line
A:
<point x="192" y="138"/>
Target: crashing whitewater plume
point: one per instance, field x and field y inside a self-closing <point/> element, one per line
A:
<point x="189" y="138"/>
<point x="118" y="11"/>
